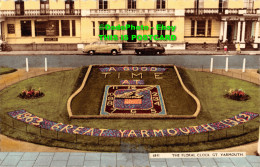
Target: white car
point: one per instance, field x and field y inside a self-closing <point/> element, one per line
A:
<point x="101" y="47"/>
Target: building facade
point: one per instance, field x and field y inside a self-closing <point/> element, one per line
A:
<point x="68" y="24"/>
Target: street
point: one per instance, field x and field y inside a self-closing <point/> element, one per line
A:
<point x="189" y="61"/>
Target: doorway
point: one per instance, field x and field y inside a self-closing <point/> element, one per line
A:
<point x="248" y="31"/>
<point x="230" y="32"/>
<point x="131" y="32"/>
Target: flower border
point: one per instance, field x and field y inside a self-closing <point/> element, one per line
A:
<point x="24" y="116"/>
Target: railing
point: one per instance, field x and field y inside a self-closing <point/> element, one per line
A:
<point x="38" y="12"/>
<point x="218" y="11"/>
<point x="44" y="12"/>
<point x="239" y="11"/>
<point x="203" y="11"/>
<point x="132" y="11"/>
<point x="232" y="11"/>
<point x="7" y="13"/>
<point x="251" y="11"/>
<point x="135" y="12"/>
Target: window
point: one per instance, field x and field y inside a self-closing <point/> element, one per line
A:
<point x="192" y="27"/>
<point x="151" y="23"/>
<point x="131" y="4"/>
<point x="52" y="28"/>
<point x="160" y="24"/>
<point x="201" y="27"/>
<point x="102" y="30"/>
<point x="222" y="5"/>
<point x="65" y="27"/>
<point x="93" y="28"/>
<point x="26" y="28"/>
<point x="69" y="7"/>
<point x="249" y="4"/>
<point x="209" y="28"/>
<point x="102" y="4"/>
<point x="10" y="28"/>
<point x="40" y="28"/>
<point x="171" y="26"/>
<point x="112" y="31"/>
<point x="198" y="4"/>
<point x="44" y="7"/>
<point x="19" y="7"/>
<point x="73" y="28"/>
<point x="160" y="4"/>
<point x="47" y="28"/>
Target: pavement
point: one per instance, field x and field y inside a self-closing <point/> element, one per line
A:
<point x="60" y="159"/>
<point x="20" y="153"/>
<point x="131" y="52"/>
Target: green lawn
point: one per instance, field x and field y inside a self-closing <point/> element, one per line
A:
<point x="6" y="70"/>
<point x="58" y="86"/>
<point x="212" y="87"/>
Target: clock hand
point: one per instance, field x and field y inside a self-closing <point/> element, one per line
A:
<point x="128" y="94"/>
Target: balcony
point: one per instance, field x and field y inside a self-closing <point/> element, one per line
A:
<point x="217" y="11"/>
<point x="40" y="12"/>
<point x="241" y="11"/>
<point x="131" y="12"/>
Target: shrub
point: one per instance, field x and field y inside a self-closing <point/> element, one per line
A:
<point x="31" y="94"/>
<point x="237" y="94"/>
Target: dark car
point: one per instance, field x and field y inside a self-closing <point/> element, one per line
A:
<point x="150" y="48"/>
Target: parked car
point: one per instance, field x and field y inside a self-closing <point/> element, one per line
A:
<point x="101" y="47"/>
<point x="150" y="48"/>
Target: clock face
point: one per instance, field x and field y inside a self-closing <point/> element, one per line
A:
<point x="133" y="99"/>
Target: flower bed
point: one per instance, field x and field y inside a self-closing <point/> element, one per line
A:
<point x="132" y="68"/>
<point x="132" y="82"/>
<point x="24" y="116"/>
<point x="237" y="94"/>
<point x="31" y="94"/>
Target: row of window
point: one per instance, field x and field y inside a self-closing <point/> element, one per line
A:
<point x="131" y="4"/>
<point x="51" y="28"/>
<point x="44" y="28"/>
<point x="44" y="7"/>
<point x="69" y="5"/>
<point x="104" y="31"/>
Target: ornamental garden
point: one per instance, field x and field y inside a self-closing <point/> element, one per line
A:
<point x="132" y="108"/>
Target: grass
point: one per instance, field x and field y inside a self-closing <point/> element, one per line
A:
<point x="58" y="86"/>
<point x="212" y="87"/>
<point x="6" y="70"/>
<point x="178" y="102"/>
